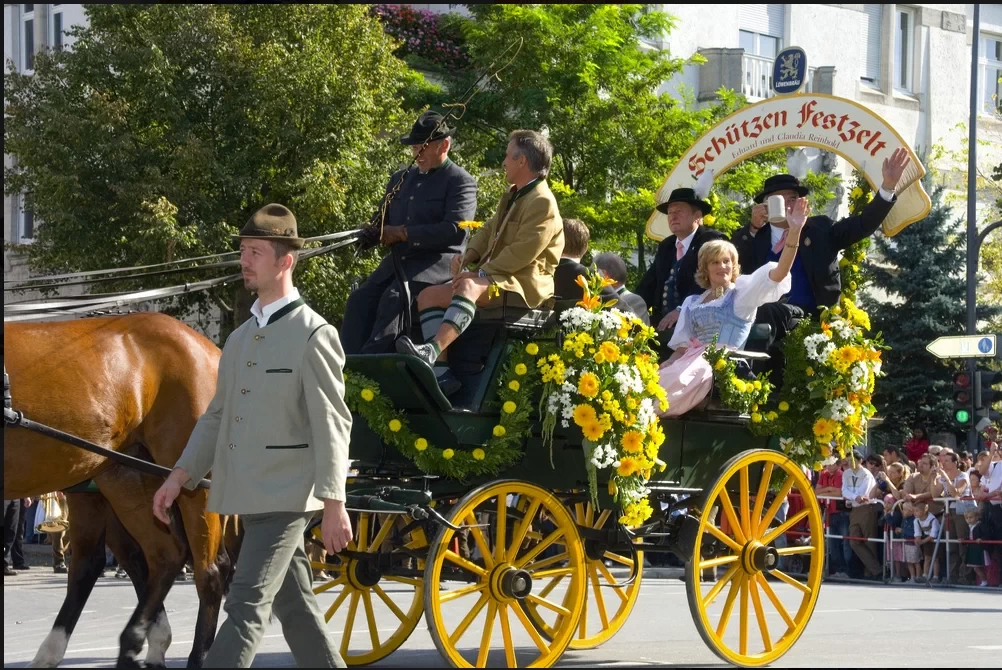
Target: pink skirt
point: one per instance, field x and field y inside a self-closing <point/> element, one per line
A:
<point x="687" y="380"/>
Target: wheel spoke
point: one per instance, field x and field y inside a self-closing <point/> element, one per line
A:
<point x="589" y="515"/>
<point x="723" y="537"/>
<point x="468" y="619"/>
<point x="555" y="572"/>
<point x="775" y="601"/>
<point x="546" y="562"/>
<point x="763" y="489"/>
<point x="788" y="551"/>
<point x="384" y="530"/>
<point x="583" y="620"/>
<point x="399" y="613"/>
<point x="783" y="577"/>
<point x="618" y="590"/>
<point x="719" y="560"/>
<point x="531" y="630"/>
<point x="485" y="641"/>
<point x="459" y="593"/>
<point x="410" y="581"/>
<point x="363" y="532"/>
<point x="777" y="502"/>
<point x="516" y="542"/>
<point x="550" y="605"/>
<point x="463" y="563"/>
<point x="349" y="624"/>
<point x="732" y="594"/>
<point x="509" y="646"/>
<point x="602" y="518"/>
<point x="732" y="519"/>
<point x="599" y="598"/>
<point x="552" y="585"/>
<point x="743" y="619"/>
<point x="480" y="540"/>
<point x="501" y="528"/>
<point x="618" y="559"/>
<point x="719" y="586"/>
<point x="328" y="586"/>
<point x="785" y="526"/>
<point x="539" y="548"/>
<point x="337" y="603"/>
<point x="743" y="502"/>
<point x="370" y="618"/>
<point x="760" y="613"/>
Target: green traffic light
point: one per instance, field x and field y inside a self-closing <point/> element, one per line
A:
<point x="962" y="416"/>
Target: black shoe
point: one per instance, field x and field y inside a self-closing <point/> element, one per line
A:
<point x="425" y="352"/>
<point x="60" y="568"/>
<point x="22" y="567"/>
<point x="448" y="382"/>
<point x="9" y="571"/>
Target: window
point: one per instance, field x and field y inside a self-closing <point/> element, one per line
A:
<point x="872" y="15"/>
<point x="761" y="29"/>
<point x="759" y="45"/>
<point x="57" y="31"/>
<point x="904" y="28"/>
<point x="990" y="66"/>
<point x="28" y="38"/>
<point x="26" y="230"/>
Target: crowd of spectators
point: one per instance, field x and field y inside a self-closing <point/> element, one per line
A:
<point x="896" y="512"/>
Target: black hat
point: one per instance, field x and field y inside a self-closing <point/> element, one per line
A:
<point x="273" y="222"/>
<point x="781" y="182"/>
<point x="686" y="195"/>
<point x="423" y="128"/>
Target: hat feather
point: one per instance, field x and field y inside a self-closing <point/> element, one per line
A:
<point x="703" y="185"/>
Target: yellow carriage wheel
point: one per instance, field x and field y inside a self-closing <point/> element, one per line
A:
<point x="610" y="597"/>
<point x="360" y="590"/>
<point x="738" y="569"/>
<point x="517" y="537"/>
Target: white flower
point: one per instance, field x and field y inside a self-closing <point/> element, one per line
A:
<point x="840" y="409"/>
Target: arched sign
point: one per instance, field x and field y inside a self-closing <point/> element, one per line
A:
<point x="814" y="120"/>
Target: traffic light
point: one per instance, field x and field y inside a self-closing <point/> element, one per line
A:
<point x="984" y="395"/>
<point x="963" y="397"/>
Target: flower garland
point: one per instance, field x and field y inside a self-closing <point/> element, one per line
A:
<point x="518" y="380"/>
<point x="831" y="368"/>
<point x="604" y="379"/>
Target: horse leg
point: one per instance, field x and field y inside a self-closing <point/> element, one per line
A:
<point x="130" y="557"/>
<point x="131" y="496"/>
<point x="87" y="533"/>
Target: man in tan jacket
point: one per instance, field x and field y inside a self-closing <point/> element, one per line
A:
<point x="276" y="439"/>
<point x="517" y="251"/>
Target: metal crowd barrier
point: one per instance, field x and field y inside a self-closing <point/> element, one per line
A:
<point x="888" y="541"/>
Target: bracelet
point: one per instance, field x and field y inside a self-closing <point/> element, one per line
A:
<point x="792" y="246"/>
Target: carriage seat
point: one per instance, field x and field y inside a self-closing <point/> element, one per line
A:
<point x="406" y="381"/>
<point x="519" y="318"/>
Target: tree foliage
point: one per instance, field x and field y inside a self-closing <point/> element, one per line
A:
<point x="166" y="126"/>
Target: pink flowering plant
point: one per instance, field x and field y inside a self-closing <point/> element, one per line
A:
<point x="427" y="39"/>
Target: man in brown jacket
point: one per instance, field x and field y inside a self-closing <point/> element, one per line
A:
<point x="517" y="251"/>
<point x="275" y="436"/>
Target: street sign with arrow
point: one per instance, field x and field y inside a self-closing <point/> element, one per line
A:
<point x="963" y="346"/>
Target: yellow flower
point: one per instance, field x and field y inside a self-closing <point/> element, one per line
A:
<point x="757" y="384"/>
<point x="824" y="427"/>
<point x="532" y="348"/>
<point x="613" y="489"/>
<point x="593" y="431"/>
<point x="609" y="350"/>
<point x="771" y="416"/>
<point x="754" y="408"/>
<point x="599" y="357"/>
<point x="709" y="220"/>
<point x="395" y="425"/>
<point x="420" y="444"/>
<point x="499" y="430"/>
<point x="784" y="406"/>
<point x="588" y="385"/>
<point x="627" y="466"/>
<point x="756" y="417"/>
<point x="809" y="371"/>
<point x="470" y="225"/>
<point x="818" y="466"/>
<point x="479" y="454"/>
<point x="368" y="395"/>
<point x="448" y="453"/>
<point x="854" y="194"/>
<point x="520" y="369"/>
<point x="513" y="385"/>
<point x="584" y="415"/>
<point x="633" y="441"/>
<point x="509" y="407"/>
<point x="720" y="364"/>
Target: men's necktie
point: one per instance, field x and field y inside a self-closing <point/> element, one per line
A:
<point x="778" y="249"/>
<point x="679" y="250"/>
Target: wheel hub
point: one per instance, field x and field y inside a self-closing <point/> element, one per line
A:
<point x="364" y="574"/>
<point x="758" y="557"/>
<point x="508" y="583"/>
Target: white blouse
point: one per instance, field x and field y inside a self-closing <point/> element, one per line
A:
<point x="752" y="291"/>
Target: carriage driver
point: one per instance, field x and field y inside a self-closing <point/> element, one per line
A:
<point x="275" y="436"/>
<point x="516" y="250"/>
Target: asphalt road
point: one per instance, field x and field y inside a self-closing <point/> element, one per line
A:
<point x="852" y="626"/>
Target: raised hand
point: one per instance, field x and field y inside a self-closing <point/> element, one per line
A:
<point x="798" y="212"/>
<point x="894" y="167"/>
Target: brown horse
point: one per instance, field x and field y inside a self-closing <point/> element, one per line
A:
<point x="122" y="382"/>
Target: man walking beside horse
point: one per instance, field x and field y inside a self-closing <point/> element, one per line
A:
<point x="275" y="437"/>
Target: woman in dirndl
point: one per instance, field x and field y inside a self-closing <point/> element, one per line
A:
<point x="725" y="310"/>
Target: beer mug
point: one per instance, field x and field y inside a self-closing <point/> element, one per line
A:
<point x="777" y="208"/>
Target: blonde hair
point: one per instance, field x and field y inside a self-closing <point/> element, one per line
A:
<point x="710" y="252"/>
